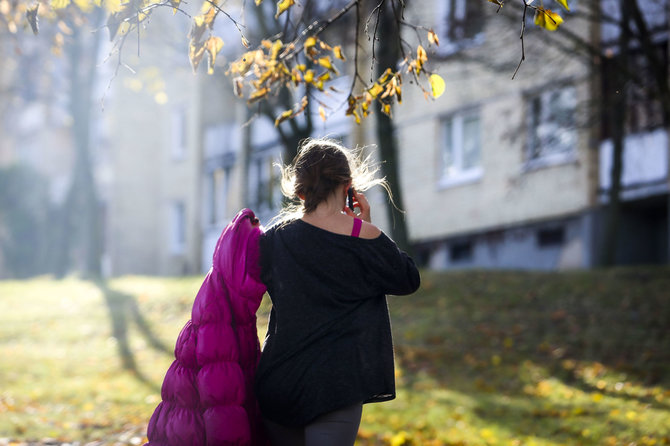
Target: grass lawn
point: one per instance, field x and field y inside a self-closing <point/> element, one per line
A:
<point x="483" y="358"/>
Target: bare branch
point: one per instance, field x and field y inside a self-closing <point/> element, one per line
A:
<point x="237" y="25"/>
<point x="378" y="10"/>
<point x="356" y="44"/>
<point x="523" y="31"/>
<point x="292" y="49"/>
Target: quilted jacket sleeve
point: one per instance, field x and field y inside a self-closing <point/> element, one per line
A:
<point x="208" y="391"/>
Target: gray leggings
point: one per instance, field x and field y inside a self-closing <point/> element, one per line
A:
<point x="338" y="428"/>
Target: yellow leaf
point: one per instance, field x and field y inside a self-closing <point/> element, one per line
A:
<point x="432" y="37"/>
<point x="282" y="6"/>
<point x="276" y="47"/>
<point x="326" y="63"/>
<point x="547" y="19"/>
<point x="195" y="53"/>
<point x="206" y="5"/>
<point x="384" y="77"/>
<point x="283" y="117"/>
<point x="258" y="2"/>
<point x="421" y="58"/>
<point x="213" y="46"/>
<point x="258" y="94"/>
<point x="563" y="3"/>
<point x="309" y="76"/>
<point x="59" y="4"/>
<point x="245" y="42"/>
<point x="322" y="113"/>
<point x="175" y="5"/>
<point x="437" y="85"/>
<point x="310" y="42"/>
<point x="242" y="65"/>
<point x="421" y="54"/>
<point x="337" y="52"/>
<point x="400" y="439"/>
<point x="487" y="433"/>
<point x="375" y="90"/>
<point x="209" y="16"/>
<point x="296" y="77"/>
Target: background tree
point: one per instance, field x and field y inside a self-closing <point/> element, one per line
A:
<point x="73" y="234"/>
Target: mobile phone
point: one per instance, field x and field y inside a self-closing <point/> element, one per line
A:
<point x="350" y="198"/>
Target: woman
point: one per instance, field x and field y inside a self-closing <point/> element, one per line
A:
<point x="328" y="349"/>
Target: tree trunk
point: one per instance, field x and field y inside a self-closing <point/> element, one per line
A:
<point x="82" y="206"/>
<point x="616" y="104"/>
<point x="387" y="54"/>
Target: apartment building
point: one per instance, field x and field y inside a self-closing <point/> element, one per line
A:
<point x="503" y="173"/>
<point x="497" y="173"/>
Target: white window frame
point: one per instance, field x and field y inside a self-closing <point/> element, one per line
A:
<point x="534" y="157"/>
<point x="459" y="175"/>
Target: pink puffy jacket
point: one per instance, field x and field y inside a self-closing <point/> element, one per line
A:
<point x="207" y="392"/>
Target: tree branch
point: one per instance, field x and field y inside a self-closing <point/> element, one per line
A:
<point x="292" y="49"/>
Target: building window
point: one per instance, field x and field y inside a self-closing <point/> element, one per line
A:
<point x="460" y="152"/>
<point x="177" y="227"/>
<point x="179" y="133"/>
<point x="460" y="22"/>
<point x="461" y="251"/>
<point x="550" y="237"/>
<point x="552" y="127"/>
<point x="218" y="191"/>
<point x="264" y="190"/>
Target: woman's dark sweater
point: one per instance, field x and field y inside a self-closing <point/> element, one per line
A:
<point x="329" y="336"/>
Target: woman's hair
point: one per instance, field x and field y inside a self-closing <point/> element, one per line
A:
<point x="321" y="166"/>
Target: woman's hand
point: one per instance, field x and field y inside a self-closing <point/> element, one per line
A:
<point x="361" y="203"/>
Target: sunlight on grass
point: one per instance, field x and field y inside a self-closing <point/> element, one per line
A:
<point x="482" y="359"/>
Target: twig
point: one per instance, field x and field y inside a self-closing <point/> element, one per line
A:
<point x="116" y="70"/>
<point x="237" y="25"/>
<point x="374" y="36"/>
<point x="138" y="33"/>
<point x="291" y="48"/>
<point x="356" y="44"/>
<point x="523" y="31"/>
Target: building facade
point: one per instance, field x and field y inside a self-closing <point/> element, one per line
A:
<point x="518" y="169"/>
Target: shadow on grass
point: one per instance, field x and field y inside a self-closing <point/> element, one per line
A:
<point x="124" y="311"/>
<point x="502" y="337"/>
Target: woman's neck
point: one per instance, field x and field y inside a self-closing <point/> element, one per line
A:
<point x="329" y="208"/>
